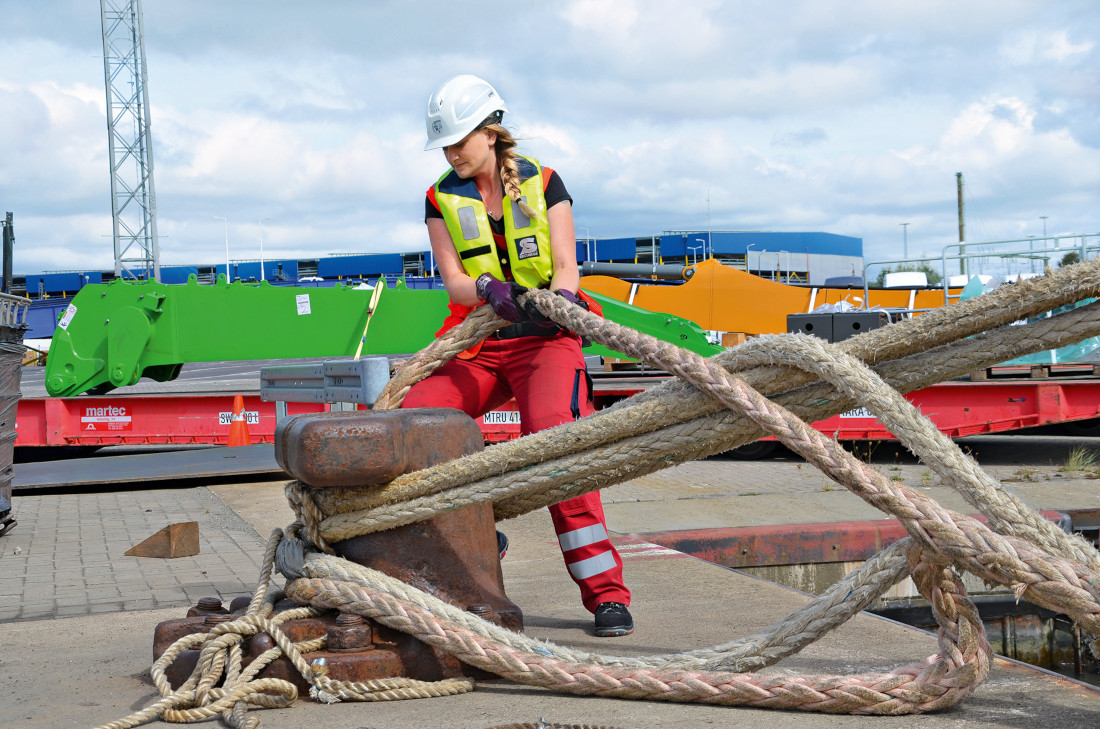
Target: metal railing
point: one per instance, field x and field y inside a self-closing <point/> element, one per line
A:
<point x="973" y="255"/>
<point x="13" y="310"/>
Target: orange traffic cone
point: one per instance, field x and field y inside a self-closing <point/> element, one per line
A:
<point x="238" y="426"/>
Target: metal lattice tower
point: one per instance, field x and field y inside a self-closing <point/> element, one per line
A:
<point x="133" y="201"/>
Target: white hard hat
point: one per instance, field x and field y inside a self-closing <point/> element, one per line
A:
<point x="458" y="107"/>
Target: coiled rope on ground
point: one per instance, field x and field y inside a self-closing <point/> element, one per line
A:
<point x="679" y="421"/>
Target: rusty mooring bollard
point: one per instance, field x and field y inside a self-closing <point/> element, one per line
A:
<point x="453" y="556"/>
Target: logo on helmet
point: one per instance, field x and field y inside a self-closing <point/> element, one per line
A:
<point x="437" y="126"/>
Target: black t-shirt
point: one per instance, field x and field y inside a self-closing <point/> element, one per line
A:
<point x="555" y="193"/>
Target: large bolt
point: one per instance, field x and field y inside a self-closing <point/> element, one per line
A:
<point x="207" y="606"/>
<point x="351" y="633"/>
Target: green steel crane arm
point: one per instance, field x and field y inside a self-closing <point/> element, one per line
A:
<point x="114" y="334"/>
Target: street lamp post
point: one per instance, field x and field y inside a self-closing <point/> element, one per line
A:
<point x="587" y="245"/>
<point x="1045" y="244"/>
<point x="748" y="268"/>
<point x="700" y="240"/>
<point x="710" y="241"/>
<point x="905" y="240"/>
<point x="228" y="273"/>
<point x="694" y="259"/>
<point x="262" y="247"/>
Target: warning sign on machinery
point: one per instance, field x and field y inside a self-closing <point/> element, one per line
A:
<point x="104" y="418"/>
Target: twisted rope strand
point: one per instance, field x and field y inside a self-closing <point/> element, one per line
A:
<point x="517" y="488"/>
<point x="835" y="606"/>
<point x="645" y="434"/>
<point x="556" y="450"/>
<point x="838" y="463"/>
<point x="1073" y="587"/>
<point x="1006" y="512"/>
<point x="937" y="683"/>
<point x="199" y="698"/>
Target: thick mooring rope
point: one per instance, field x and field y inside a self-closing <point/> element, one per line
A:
<point x="668" y="424"/>
<point x="220" y="661"/>
<point x="505" y="476"/>
<point x="684" y="426"/>
<point x="939" y="682"/>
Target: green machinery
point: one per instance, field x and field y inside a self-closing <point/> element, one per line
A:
<point x="112" y="335"/>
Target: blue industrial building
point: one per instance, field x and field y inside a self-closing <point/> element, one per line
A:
<point x="797" y="258"/>
<point x="805" y="258"/>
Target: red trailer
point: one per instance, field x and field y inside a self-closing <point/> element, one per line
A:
<point x="1009" y="399"/>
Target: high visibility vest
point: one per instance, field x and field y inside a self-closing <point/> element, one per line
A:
<point x="528" y="240"/>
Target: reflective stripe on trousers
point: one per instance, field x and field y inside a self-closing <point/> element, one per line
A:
<point x="582" y="569"/>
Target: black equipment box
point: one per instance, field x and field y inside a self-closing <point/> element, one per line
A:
<point x="839" y="326"/>
<point x="850" y="323"/>
<point x="819" y="325"/>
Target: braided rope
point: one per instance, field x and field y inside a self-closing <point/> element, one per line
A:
<point x="1006" y="512"/>
<point x="951" y="536"/>
<point x="1047" y="580"/>
<point x="303" y="503"/>
<point x="479" y="324"/>
<point x="517" y="486"/>
<point x="833" y="607"/>
<point x="630" y="430"/>
<point x="938" y="682"/>
<point x="220" y="660"/>
<point x="1034" y="560"/>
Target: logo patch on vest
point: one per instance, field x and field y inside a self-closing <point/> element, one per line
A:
<point x="527" y="248"/>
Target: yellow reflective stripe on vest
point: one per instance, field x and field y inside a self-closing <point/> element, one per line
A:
<point x="528" y="240"/>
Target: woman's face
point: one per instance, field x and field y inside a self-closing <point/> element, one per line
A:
<point x="474" y="155"/>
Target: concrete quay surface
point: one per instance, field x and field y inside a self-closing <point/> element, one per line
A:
<point x="77" y="616"/>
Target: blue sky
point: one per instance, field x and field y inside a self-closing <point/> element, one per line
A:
<point x="842" y="117"/>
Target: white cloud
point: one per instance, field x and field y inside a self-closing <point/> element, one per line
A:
<point x="1028" y="47"/>
<point x="847" y="118"/>
<point x="56" y="150"/>
<point x="610" y="18"/>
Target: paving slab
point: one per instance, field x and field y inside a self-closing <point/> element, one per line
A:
<point x="67" y="555"/>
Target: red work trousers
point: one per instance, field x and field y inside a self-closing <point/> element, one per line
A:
<point x="546" y="375"/>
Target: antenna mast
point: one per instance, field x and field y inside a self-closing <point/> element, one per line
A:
<point x="133" y="201"/>
<point x="962" y="223"/>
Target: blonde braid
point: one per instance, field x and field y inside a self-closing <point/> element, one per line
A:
<point x="509" y="170"/>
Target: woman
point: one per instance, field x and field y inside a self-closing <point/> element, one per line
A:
<point x="500" y="223"/>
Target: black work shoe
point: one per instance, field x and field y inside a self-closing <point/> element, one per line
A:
<point x="613" y="619"/>
<point x="502" y="544"/>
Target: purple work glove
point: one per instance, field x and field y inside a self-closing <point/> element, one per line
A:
<point x="501" y="295"/>
<point x="571" y="298"/>
<point x="539" y="318"/>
